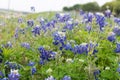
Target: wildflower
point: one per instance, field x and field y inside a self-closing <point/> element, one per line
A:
<point x="116" y="30"/>
<point x="14" y="75"/>
<point x="25" y="45"/>
<point x="108" y="13"/>
<point x="33" y="70"/>
<point x="36" y="30"/>
<point x="16" y="32"/>
<point x="88" y="28"/>
<point x="30" y="23"/>
<point x="100" y="20"/>
<point x="111" y="37"/>
<point x="20" y="20"/>
<point x="117" y="50"/>
<point x="82" y="48"/>
<point x="50" y="78"/>
<point x="46" y="55"/>
<point x="66" y="78"/>
<point x="118" y="69"/>
<point x="96" y="72"/>
<point x="1" y="75"/>
<point x="31" y="64"/>
<point x="68" y="46"/>
<point x="9" y="44"/>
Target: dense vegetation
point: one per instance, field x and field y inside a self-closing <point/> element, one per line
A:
<point x="60" y="46"/>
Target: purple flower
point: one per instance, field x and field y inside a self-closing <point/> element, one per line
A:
<point x="14" y="75"/>
<point x="88" y="28"/>
<point x="111" y="37"/>
<point x="68" y="46"/>
<point x="82" y="48"/>
<point x="117" y="50"/>
<point x="16" y="32"/>
<point x="116" y="30"/>
<point x="66" y="78"/>
<point x="25" y="45"/>
<point x="100" y="20"/>
<point x="20" y="20"/>
<point x="50" y="78"/>
<point x="118" y="69"/>
<point x="36" y="30"/>
<point x="107" y="13"/>
<point x="96" y="72"/>
<point x="88" y="17"/>
<point x="31" y="64"/>
<point x="30" y="23"/>
<point x="46" y="55"/>
<point x="33" y="70"/>
<point x="33" y="8"/>
<point x="1" y="75"/>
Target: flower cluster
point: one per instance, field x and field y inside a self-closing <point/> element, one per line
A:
<point x="36" y="30"/>
<point x="25" y="45"/>
<point x="100" y="20"/>
<point x="45" y="55"/>
<point x="30" y="23"/>
<point x="62" y="17"/>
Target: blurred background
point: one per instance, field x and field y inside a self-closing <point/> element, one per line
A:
<point x="36" y="6"/>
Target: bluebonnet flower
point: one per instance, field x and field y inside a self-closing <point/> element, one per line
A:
<point x="82" y="48"/>
<point x="25" y="45"/>
<point x="96" y="72"/>
<point x="12" y="65"/>
<point x="30" y="23"/>
<point x="117" y="50"/>
<point x="88" y="17"/>
<point x="59" y="38"/>
<point x="92" y="48"/>
<point x="118" y="69"/>
<point x="42" y="21"/>
<point x="81" y="12"/>
<point x="117" y="20"/>
<point x="66" y="78"/>
<point x="108" y="13"/>
<point x="68" y="46"/>
<point x="88" y="28"/>
<point x="46" y="55"/>
<point x="100" y="20"/>
<point x="70" y="25"/>
<point x="32" y="8"/>
<point x="9" y="44"/>
<point x="116" y="30"/>
<point x="50" y="78"/>
<point x="14" y="75"/>
<point x="1" y="74"/>
<point x="62" y="17"/>
<point x="33" y="70"/>
<point x="36" y="30"/>
<point x="111" y="37"/>
<point x="20" y="20"/>
<point x="31" y="64"/>
<point x="16" y="32"/>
